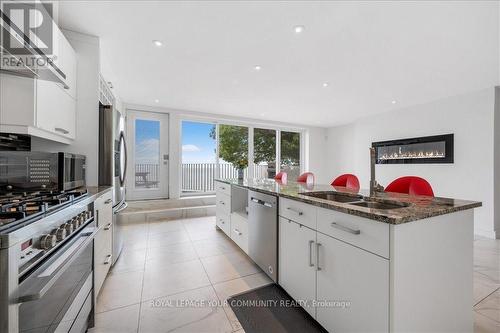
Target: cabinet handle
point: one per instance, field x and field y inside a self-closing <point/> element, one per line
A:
<point x="108" y="259"/>
<point x="62" y="130"/>
<point x="222" y="202"/>
<point x="311" y="264"/>
<point x="317" y="256"/>
<point x="223" y="188"/>
<point x="299" y="213"/>
<point x="222" y="221"/>
<point x="346" y="229"/>
<point x="108" y="201"/>
<point x="237" y="232"/>
<point x="107" y="227"/>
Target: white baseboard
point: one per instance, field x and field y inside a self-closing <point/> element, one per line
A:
<point x="492" y="234"/>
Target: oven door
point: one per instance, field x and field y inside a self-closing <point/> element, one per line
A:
<point x="71" y="171"/>
<point x="57" y="297"/>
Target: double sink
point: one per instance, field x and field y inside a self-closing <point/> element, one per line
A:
<point x="356" y="200"/>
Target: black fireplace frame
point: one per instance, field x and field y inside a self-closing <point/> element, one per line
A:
<point x="449" y="150"/>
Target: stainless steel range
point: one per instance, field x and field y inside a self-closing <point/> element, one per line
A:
<point x="46" y="261"/>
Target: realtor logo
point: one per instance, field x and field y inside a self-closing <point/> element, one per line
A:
<point x="29" y="22"/>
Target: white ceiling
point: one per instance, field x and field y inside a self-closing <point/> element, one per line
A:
<point x="370" y="53"/>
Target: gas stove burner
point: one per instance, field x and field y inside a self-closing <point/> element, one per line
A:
<point x="21" y="207"/>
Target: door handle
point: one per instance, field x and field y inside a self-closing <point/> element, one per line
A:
<point x="317" y="256"/>
<point x="346" y="229"/>
<point x="107" y="202"/>
<point x="262" y="202"/>
<point x="311" y="264"/>
<point x="298" y="212"/>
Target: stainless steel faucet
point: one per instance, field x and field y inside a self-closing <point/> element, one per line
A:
<point x="374" y="185"/>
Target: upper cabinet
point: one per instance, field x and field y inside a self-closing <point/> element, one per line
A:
<point x="38" y="106"/>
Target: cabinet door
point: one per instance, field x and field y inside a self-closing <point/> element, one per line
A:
<point x="297" y="271"/>
<point x="55" y="109"/>
<point x="68" y="64"/>
<point x="103" y="242"/>
<point x="349" y="274"/>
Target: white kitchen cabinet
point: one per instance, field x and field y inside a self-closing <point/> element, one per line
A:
<point x="346" y="273"/>
<point x="239" y="230"/>
<point x="224" y="223"/>
<point x="297" y="266"/>
<point x="103" y="242"/>
<point x="55" y="109"/>
<point x="38" y="107"/>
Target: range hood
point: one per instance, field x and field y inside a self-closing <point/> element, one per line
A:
<point x="33" y="63"/>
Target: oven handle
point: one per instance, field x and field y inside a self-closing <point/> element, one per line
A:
<point x="75" y="251"/>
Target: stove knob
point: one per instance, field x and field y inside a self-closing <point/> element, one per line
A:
<point x="75" y="222"/>
<point x="60" y="233"/>
<point x="47" y="241"/>
<point x="88" y="214"/>
<point x="82" y="217"/>
<point x="68" y="227"/>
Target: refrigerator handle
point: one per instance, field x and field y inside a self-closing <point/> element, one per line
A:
<point x="122" y="181"/>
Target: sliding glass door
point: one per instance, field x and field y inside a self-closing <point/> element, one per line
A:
<point x="233" y="151"/>
<point x="226" y="151"/>
<point x="290" y="154"/>
<point x="199" y="159"/>
<point x="264" y="153"/>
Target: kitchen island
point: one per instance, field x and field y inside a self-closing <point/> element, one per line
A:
<point x="385" y="263"/>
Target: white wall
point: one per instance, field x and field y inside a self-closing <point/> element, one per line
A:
<point x="314" y="139"/>
<point x="470" y="117"/>
<point x="87" y="107"/>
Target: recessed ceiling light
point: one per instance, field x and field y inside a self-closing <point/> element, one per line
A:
<point x="326" y="84"/>
<point x="257" y="68"/>
<point x="157" y="101"/>
<point x="393" y="102"/>
<point x="298" y="29"/>
<point x="157" y="43"/>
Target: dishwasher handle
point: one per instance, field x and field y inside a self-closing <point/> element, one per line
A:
<point x="261" y="202"/>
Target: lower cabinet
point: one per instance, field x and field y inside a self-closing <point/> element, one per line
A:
<point x="347" y="288"/>
<point x="354" y="277"/>
<point x="297" y="267"/>
<point x="103" y="242"/>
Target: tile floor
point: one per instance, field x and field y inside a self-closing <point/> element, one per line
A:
<point x="173" y="276"/>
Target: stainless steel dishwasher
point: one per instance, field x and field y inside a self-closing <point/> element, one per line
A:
<point x="263" y="232"/>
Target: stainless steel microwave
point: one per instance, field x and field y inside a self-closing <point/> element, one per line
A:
<point x="41" y="171"/>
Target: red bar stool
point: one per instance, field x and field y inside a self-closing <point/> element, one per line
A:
<point x="306" y="177"/>
<point x="281" y="176"/>
<point x="347" y="180"/>
<point x="411" y="185"/>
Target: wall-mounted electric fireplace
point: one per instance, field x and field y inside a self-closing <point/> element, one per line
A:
<point x="428" y="149"/>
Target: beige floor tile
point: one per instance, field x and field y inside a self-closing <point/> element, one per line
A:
<point x="120" y="289"/>
<point x="490" y="306"/>
<point x="168" y="238"/>
<point x="165" y="226"/>
<point x="229" y="266"/>
<point x="130" y="260"/>
<point x="177" y="314"/>
<point x="214" y="246"/>
<point x="484" y="324"/>
<point x="121" y="320"/>
<point x="486" y="259"/>
<point x="483" y="286"/>
<point x="161" y="256"/>
<point x="227" y="289"/>
<point x="174" y="278"/>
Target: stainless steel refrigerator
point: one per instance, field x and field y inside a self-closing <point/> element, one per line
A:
<point x="113" y="166"/>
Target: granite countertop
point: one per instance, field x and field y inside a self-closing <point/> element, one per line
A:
<point x="418" y="207"/>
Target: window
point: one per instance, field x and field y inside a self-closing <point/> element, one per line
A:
<point x="198" y="157"/>
<point x="233" y="151"/>
<point x="290" y="154"/>
<point x="264" y="153"/>
<point x="147" y="153"/>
